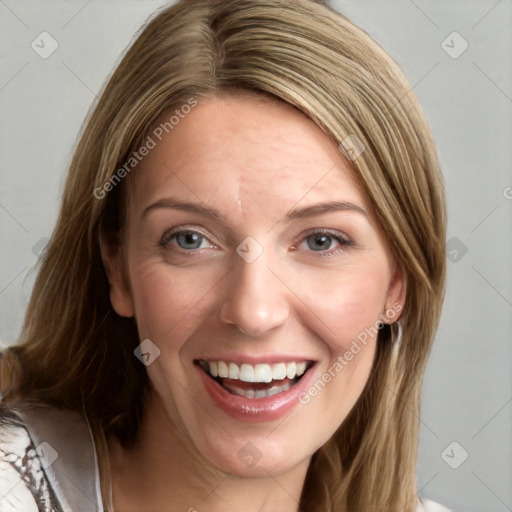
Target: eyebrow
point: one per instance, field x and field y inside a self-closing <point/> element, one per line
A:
<point x="321" y="208"/>
<point x="294" y="214"/>
<point x="169" y="202"/>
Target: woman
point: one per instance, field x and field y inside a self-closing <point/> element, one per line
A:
<point x="237" y="304"/>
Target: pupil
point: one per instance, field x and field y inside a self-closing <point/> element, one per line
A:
<point x="319" y="242"/>
<point x="189" y="240"/>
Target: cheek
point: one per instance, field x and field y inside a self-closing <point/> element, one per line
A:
<point x="169" y="303"/>
<point x="343" y="310"/>
<point x="345" y="305"/>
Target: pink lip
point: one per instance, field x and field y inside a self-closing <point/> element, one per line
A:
<point x="255" y="410"/>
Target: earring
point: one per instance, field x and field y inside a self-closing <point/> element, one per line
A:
<point x="396" y="334"/>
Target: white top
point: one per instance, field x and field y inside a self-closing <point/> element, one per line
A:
<point x="431" y="506"/>
<point x="48" y="463"/>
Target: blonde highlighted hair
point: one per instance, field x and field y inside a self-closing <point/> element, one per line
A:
<point x="75" y="352"/>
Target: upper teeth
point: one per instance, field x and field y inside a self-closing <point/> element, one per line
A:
<point x="260" y="372"/>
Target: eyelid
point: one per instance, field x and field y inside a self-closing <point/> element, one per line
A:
<point x="334" y="233"/>
<point x="343" y="240"/>
<point x="341" y="237"/>
<point x="180" y="228"/>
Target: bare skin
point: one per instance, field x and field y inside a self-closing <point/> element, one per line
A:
<point x="322" y="278"/>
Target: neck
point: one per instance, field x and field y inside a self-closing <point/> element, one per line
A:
<point x="163" y="472"/>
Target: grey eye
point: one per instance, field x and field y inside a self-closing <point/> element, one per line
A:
<point x="189" y="240"/>
<point x="319" y="242"/>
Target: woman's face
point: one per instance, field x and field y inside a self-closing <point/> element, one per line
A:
<point x="256" y="268"/>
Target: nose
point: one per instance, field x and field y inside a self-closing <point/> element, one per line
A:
<point x="256" y="298"/>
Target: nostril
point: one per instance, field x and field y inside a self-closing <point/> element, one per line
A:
<point x="254" y="315"/>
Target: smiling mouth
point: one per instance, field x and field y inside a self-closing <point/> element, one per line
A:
<point x="255" y="381"/>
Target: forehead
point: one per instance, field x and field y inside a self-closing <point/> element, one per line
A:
<point x="242" y="151"/>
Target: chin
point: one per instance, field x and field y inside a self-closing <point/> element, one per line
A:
<point x="255" y="458"/>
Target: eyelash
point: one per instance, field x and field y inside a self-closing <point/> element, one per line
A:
<point x="336" y="236"/>
<point x="173" y="232"/>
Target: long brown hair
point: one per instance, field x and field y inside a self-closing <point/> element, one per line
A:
<point x="76" y="352"/>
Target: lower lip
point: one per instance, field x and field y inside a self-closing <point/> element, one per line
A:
<point x="255" y="410"/>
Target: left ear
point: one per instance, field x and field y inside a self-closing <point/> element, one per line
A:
<point x="397" y="289"/>
<point x="120" y="295"/>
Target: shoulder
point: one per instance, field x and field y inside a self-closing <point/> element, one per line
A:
<point x="21" y="468"/>
<point x="431" y="506"/>
<point x="48" y="456"/>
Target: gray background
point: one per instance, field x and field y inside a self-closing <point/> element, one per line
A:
<point x="468" y="101"/>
